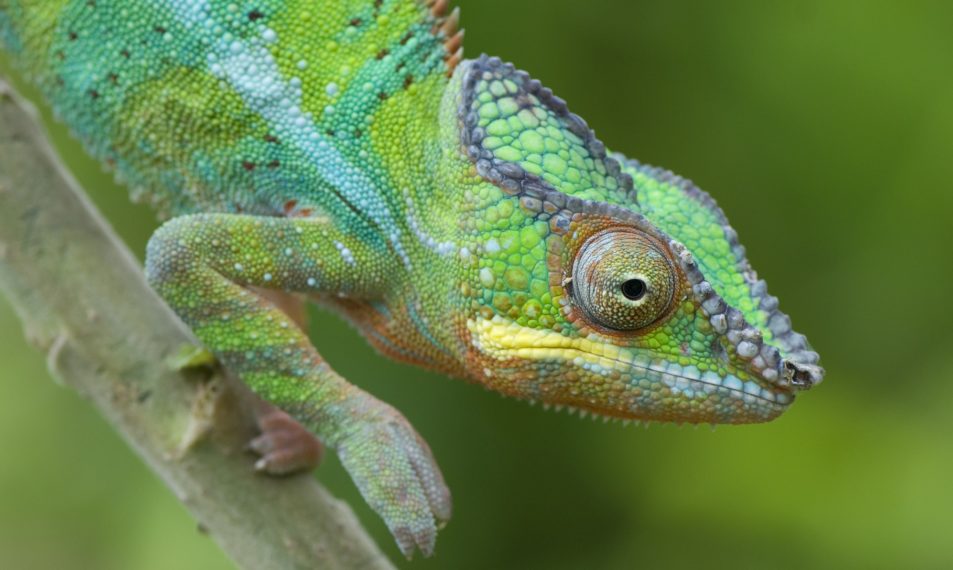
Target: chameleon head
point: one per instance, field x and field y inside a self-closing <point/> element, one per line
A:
<point x="637" y="333"/>
<point x="625" y="294"/>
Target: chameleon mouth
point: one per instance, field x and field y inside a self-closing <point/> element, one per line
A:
<point x="499" y="338"/>
<point x="686" y="380"/>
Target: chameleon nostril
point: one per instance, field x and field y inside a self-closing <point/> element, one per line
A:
<point x="802" y="376"/>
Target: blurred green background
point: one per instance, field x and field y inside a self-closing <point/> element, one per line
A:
<point x="825" y="130"/>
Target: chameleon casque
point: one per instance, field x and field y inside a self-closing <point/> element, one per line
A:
<point x="453" y="210"/>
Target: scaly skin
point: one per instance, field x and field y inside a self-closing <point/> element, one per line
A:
<point x="455" y="211"/>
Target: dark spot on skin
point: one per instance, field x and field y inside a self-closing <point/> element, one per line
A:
<point x="91" y="3"/>
<point x="113" y="78"/>
<point x="382" y="54"/>
<point x="59" y="80"/>
<point x="274" y="164"/>
<point x="272" y="139"/>
<point x="406" y="38"/>
<point x="400" y="66"/>
<point x="144" y="396"/>
<point x="382" y="96"/>
<point x="356" y="22"/>
<point x="60" y="55"/>
<point x="330" y="133"/>
<point x="160" y="29"/>
<point x="72" y="36"/>
<point x="255" y="15"/>
<point x="358" y="133"/>
<point x="249" y="166"/>
<point x="408" y="81"/>
<point x="94" y="94"/>
<point x="125" y="53"/>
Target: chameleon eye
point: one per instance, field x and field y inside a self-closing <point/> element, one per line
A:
<point x="623" y="280"/>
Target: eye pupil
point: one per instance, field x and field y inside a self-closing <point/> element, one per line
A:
<point x="634" y="289"/>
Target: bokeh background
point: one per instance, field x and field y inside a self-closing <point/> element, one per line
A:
<point x="825" y="130"/>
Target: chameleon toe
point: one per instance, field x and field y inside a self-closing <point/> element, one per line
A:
<point x="284" y="445"/>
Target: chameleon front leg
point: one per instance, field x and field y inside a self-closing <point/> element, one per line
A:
<point x="206" y="266"/>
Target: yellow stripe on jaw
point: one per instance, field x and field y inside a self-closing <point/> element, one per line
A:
<point x="499" y="334"/>
<point x="503" y="339"/>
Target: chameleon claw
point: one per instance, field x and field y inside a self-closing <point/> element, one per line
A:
<point x="409" y="542"/>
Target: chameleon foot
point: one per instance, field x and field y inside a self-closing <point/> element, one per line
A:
<point x="284" y="445"/>
<point x="398" y="477"/>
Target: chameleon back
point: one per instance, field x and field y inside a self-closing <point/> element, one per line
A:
<point x="274" y="107"/>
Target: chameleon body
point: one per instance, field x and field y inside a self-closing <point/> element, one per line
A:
<point x="454" y="210"/>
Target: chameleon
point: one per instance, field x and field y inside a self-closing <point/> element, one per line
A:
<point x="455" y="211"/>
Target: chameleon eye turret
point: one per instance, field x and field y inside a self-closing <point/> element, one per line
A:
<point x="623" y="280"/>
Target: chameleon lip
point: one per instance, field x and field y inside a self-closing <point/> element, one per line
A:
<point x="731" y="383"/>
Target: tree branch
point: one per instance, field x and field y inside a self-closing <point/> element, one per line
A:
<point x="83" y="299"/>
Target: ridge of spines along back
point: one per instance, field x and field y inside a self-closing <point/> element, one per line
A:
<point x="448" y="23"/>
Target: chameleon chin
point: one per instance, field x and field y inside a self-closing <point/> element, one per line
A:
<point x="454" y="210"/>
